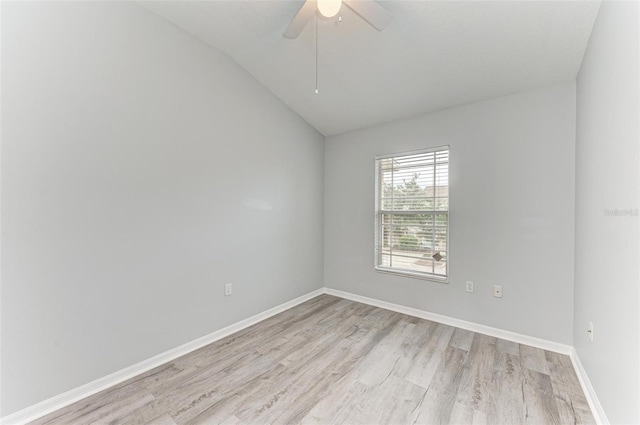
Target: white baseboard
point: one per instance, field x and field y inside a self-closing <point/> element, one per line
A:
<point x="50" y="405"/>
<point x="470" y="326"/>
<point x="58" y="402"/>
<point x="587" y="388"/>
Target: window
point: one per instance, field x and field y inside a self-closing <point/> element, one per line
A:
<point x="412" y="213"/>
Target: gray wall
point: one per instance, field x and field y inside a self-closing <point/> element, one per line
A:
<point x="607" y="266"/>
<point x="141" y="170"/>
<point x="512" y="216"/>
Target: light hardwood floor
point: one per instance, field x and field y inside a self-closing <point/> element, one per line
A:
<point x="331" y="360"/>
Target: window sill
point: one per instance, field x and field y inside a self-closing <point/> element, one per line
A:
<point x="415" y="275"/>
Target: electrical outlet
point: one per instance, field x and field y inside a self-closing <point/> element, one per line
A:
<point x="469" y="286"/>
<point x="228" y="289"/>
<point x="590" y="331"/>
<point x="497" y="291"/>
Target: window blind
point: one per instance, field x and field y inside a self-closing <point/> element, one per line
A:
<point x="412" y="213"/>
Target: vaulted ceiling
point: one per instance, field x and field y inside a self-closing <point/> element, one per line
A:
<point x="433" y="55"/>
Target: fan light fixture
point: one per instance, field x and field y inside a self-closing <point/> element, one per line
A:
<point x="329" y="8"/>
<point x="368" y="10"/>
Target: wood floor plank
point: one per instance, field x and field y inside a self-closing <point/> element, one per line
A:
<point x="538" y="399"/>
<point x="438" y="401"/>
<point x="333" y="361"/>
<point x="162" y="420"/>
<point x="533" y="359"/>
<point x="463" y="414"/>
<point x="508" y="408"/>
<point x="381" y="361"/>
<point x="337" y="403"/>
<point x="510" y="347"/>
<point x="389" y="402"/>
<point x="478" y="388"/>
<point x="111" y="412"/>
<point x="461" y="339"/>
<point x="412" y="346"/>
<point x="430" y="356"/>
<point x="231" y="420"/>
<point x="328" y="339"/>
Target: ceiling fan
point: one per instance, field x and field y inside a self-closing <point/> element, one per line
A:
<point x="369" y="10"/>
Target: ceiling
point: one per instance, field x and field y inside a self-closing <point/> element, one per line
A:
<point x="433" y="55"/>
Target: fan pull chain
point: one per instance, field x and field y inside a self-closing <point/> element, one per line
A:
<point x="316" y="53"/>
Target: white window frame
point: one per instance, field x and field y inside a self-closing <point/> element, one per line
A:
<point x="379" y="213"/>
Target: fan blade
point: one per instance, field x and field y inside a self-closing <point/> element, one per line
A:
<point x="300" y="20"/>
<point x="371" y="12"/>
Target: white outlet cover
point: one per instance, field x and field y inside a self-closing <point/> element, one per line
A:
<point x="469" y="286"/>
<point x="497" y="291"/>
